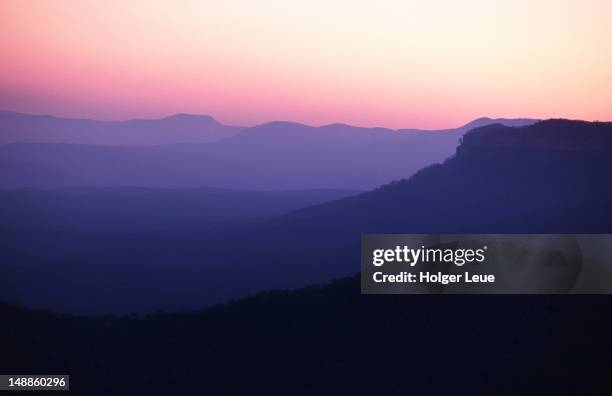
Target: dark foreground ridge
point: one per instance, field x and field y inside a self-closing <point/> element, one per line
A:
<point x="325" y="340"/>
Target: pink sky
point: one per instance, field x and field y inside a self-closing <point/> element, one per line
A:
<point x="396" y="64"/>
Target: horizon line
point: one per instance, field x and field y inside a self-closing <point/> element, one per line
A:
<point x="175" y="115"/>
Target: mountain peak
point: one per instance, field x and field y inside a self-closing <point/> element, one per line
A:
<point x="190" y="117"/>
<point x="511" y="122"/>
<point x="281" y="124"/>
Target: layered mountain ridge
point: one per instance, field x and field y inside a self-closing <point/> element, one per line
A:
<point x="500" y="180"/>
<point x="272" y="156"/>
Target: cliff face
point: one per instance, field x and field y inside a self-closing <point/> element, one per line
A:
<point x="549" y="164"/>
<point x="556" y="135"/>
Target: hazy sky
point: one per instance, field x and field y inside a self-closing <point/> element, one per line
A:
<point x="427" y="63"/>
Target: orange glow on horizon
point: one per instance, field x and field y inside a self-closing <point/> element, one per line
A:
<point x="395" y="64"/>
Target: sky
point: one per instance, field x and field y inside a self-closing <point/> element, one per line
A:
<point x="396" y="64"/>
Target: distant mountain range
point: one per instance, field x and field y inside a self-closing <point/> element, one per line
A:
<point x="276" y="155"/>
<point x="550" y="177"/>
<point x="179" y="128"/>
<point x="483" y="121"/>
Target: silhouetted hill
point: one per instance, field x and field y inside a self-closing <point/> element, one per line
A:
<point x="325" y="340"/>
<point x="277" y="155"/>
<point x="547" y="178"/>
<point x="497" y="173"/>
<point x="180" y="128"/>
